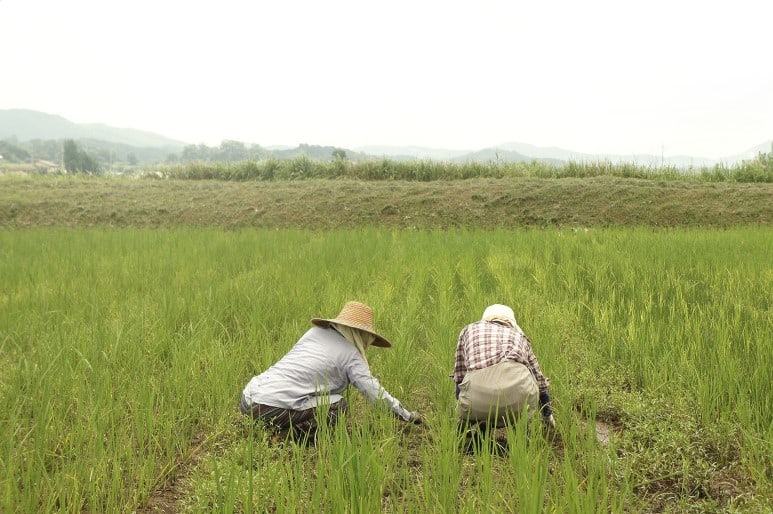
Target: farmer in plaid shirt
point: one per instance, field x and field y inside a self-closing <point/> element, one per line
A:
<point x="496" y="373"/>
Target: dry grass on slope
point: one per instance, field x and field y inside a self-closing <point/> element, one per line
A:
<point x="326" y="204"/>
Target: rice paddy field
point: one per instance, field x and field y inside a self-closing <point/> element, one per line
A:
<point x="123" y="352"/>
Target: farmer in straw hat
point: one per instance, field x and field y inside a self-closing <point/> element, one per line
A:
<point x="314" y="373"/>
<point x="496" y="373"/>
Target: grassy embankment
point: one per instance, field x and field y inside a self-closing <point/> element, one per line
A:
<point x="600" y="201"/>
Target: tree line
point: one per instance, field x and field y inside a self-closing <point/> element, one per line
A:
<point x="108" y="155"/>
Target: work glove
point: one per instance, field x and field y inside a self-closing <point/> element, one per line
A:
<point x="413" y="417"/>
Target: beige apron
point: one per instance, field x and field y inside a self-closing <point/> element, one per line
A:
<point x="498" y="393"/>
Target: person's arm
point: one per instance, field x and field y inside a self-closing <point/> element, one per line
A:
<point x="460" y="366"/>
<point x="360" y="376"/>
<point x="544" y="404"/>
<point x="546" y="409"/>
<point x="533" y="365"/>
<point x="542" y="383"/>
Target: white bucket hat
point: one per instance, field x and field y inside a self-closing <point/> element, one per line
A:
<point x="499" y="312"/>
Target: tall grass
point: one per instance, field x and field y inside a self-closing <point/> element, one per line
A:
<point x="123" y="354"/>
<point x="300" y="168"/>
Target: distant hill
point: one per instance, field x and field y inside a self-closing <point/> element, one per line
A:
<point x="561" y="154"/>
<point x="515" y="152"/>
<point x="26" y="125"/>
<point x="751" y="153"/>
<point x="412" y="152"/>
<point x="502" y="155"/>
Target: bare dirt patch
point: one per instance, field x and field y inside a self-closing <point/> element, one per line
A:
<point x="603" y="430"/>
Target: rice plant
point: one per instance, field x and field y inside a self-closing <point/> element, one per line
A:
<point x="123" y="354"/>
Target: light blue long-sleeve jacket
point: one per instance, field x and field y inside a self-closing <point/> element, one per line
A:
<point x="318" y="369"/>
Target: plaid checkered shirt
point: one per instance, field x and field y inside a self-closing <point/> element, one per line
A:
<point x="485" y="343"/>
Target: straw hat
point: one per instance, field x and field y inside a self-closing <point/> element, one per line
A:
<point x="356" y="315"/>
<point x="498" y="312"/>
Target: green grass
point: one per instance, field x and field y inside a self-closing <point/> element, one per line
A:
<point x="123" y="353"/>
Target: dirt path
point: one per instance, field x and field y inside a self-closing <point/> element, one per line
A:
<point x="165" y="499"/>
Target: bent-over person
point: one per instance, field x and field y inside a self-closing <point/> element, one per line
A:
<point x="496" y="373"/>
<point x="316" y="371"/>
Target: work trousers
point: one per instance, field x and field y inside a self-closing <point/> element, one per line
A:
<point x="299" y="422"/>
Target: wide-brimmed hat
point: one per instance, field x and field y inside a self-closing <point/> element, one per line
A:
<point x="356" y="315"/>
<point x="499" y="312"/>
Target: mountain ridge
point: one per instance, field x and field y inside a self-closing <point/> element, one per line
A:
<point x="27" y="125"/>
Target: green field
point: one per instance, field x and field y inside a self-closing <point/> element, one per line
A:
<point x="123" y="352"/>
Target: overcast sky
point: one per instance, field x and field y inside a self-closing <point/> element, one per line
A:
<point x="596" y="76"/>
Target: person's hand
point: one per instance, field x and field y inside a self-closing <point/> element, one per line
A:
<point x="413" y="417"/>
<point x="550" y="431"/>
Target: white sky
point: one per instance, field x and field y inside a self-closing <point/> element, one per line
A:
<point x="596" y="76"/>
